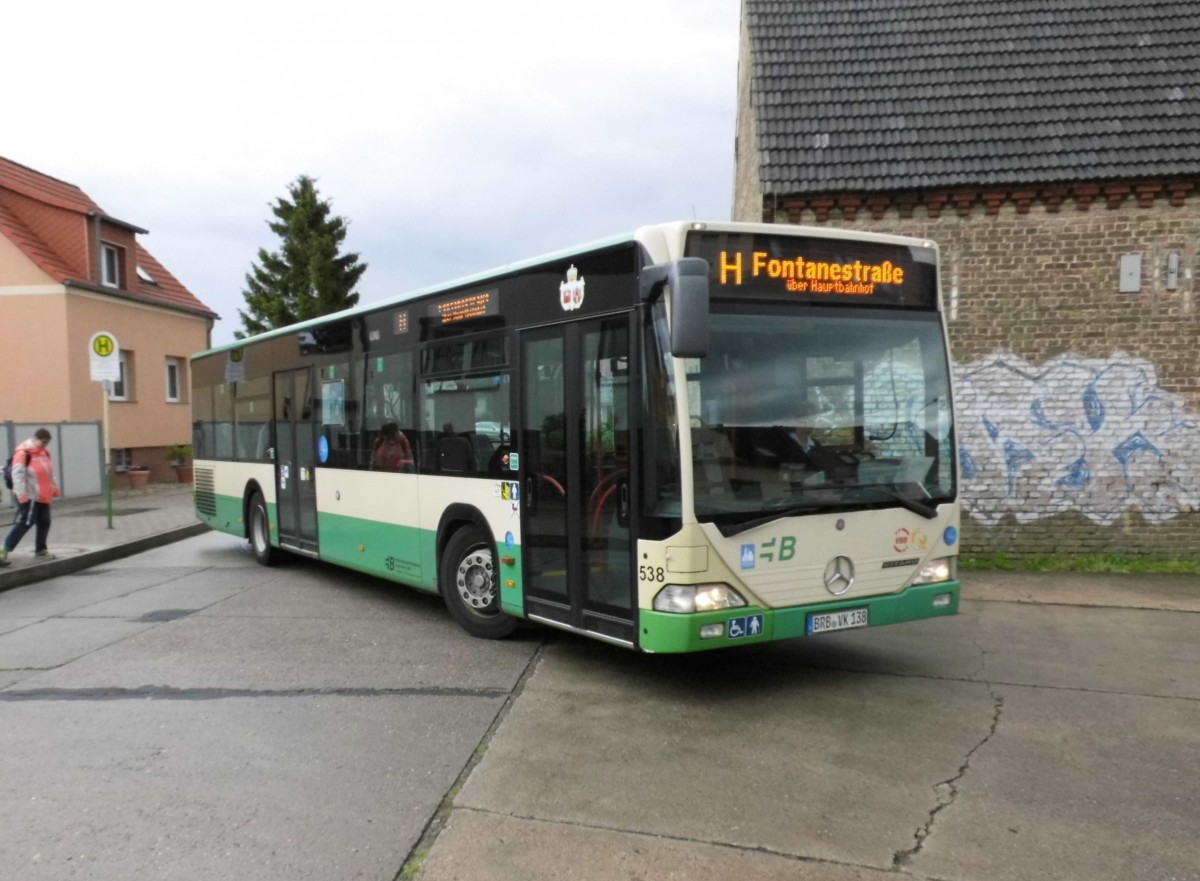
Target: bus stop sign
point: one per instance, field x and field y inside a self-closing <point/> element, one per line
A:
<point x="104" y="357"/>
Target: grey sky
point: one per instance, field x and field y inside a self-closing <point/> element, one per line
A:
<point x="455" y="136"/>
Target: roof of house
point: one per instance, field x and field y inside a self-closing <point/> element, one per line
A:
<point x="885" y="95"/>
<point x="19" y="183"/>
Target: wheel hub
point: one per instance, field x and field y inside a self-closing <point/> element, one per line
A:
<point x="475" y="580"/>
<point x="259" y="530"/>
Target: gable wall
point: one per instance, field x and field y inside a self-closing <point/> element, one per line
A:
<point x="64" y="232"/>
<point x="1079" y="405"/>
<point x="35" y="383"/>
<point x="17" y="271"/>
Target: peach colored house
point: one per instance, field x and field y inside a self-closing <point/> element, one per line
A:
<point x="68" y="270"/>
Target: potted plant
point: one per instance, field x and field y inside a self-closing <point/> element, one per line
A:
<point x="180" y="457"/>
<point x="139" y="476"/>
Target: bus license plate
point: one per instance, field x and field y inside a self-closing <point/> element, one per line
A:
<point x="846" y="620"/>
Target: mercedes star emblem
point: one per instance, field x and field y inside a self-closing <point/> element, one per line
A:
<point x="839" y="575"/>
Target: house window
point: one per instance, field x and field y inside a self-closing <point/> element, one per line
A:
<point x="121" y="459"/>
<point x="146" y="276"/>
<point x="110" y="266"/>
<point x="174" y="380"/>
<point x="122" y="389"/>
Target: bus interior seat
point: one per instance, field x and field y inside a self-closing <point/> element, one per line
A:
<point x="456" y="454"/>
<point x="483" y="447"/>
<point x="455" y="411"/>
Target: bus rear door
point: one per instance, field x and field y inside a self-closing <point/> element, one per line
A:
<point x="295" y="460"/>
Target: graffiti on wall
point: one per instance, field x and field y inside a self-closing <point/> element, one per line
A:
<point x="1097" y="436"/>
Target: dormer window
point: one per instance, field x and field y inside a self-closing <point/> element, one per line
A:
<point x="110" y="266"/>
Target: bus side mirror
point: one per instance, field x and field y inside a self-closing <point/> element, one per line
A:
<point x="688" y="280"/>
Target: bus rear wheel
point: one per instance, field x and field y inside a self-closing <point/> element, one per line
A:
<point x="260" y="532"/>
<point x="471" y="586"/>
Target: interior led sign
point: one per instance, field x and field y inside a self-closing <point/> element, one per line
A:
<point x="465" y="307"/>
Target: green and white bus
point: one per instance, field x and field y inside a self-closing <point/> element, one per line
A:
<point x="697" y="436"/>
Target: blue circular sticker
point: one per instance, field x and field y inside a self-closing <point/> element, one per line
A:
<point x="509" y="540"/>
<point x="950" y="536"/>
<point x="323" y="449"/>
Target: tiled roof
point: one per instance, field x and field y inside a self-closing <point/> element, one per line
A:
<point x="165" y="287"/>
<point x="879" y="95"/>
<point x="69" y="200"/>
<point x="44" y="188"/>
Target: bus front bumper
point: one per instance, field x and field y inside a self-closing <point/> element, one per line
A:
<point x="667" y="633"/>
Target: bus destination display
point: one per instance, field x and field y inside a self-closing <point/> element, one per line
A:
<point x="817" y="270"/>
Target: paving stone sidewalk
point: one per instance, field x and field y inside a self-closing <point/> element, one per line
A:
<point x="80" y="535"/>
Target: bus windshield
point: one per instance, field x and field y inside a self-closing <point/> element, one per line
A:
<point x="824" y="409"/>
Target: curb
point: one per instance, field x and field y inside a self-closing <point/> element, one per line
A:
<point x="66" y="565"/>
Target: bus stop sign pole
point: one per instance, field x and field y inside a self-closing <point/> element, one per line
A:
<point x="104" y="361"/>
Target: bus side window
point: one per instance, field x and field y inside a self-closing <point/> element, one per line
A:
<point x="450" y="409"/>
<point x="388" y="402"/>
<point x="465" y="424"/>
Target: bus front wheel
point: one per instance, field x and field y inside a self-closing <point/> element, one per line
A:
<point x="471" y="586"/>
<point x="260" y="532"/>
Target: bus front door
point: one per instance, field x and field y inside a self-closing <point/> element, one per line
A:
<point x="295" y="460"/>
<point x="576" y="451"/>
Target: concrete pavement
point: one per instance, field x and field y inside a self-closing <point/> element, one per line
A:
<point x="80" y="536"/>
<point x="172" y="715"/>
<point x="1047" y="731"/>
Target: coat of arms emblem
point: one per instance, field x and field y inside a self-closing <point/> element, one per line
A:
<point x="571" y="291"/>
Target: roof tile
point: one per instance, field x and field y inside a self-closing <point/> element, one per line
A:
<point x="916" y="93"/>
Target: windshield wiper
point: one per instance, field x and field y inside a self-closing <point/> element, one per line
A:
<point x="911" y="504"/>
<point x="731" y="529"/>
<point x="728" y="529"/>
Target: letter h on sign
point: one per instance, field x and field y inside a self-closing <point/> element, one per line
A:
<point x="728" y="267"/>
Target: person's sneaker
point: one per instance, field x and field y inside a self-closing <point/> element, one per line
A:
<point x="4" y="557"/>
<point x="45" y="555"/>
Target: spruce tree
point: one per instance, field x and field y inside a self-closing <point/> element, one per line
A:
<point x="308" y="276"/>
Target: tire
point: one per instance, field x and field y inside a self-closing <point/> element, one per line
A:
<point x="470" y="586"/>
<point x="260" y="532"/>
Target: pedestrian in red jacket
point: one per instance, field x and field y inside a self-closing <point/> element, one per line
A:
<point x="392" y="451"/>
<point x="35" y="489"/>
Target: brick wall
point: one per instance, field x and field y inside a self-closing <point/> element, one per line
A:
<point x="1079" y="421"/>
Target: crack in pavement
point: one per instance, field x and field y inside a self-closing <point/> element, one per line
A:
<point x="1012" y="683"/>
<point x="682" y="839"/>
<point x="164" y="692"/>
<point x="947" y="791"/>
<point x="982" y="660"/>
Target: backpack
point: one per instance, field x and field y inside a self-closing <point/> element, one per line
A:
<point x="8" y="470"/>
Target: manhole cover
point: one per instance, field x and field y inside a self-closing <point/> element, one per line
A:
<point x="163" y="615"/>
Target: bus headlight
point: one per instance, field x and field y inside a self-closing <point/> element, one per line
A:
<point x="941" y="569"/>
<point x="685" y="598"/>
